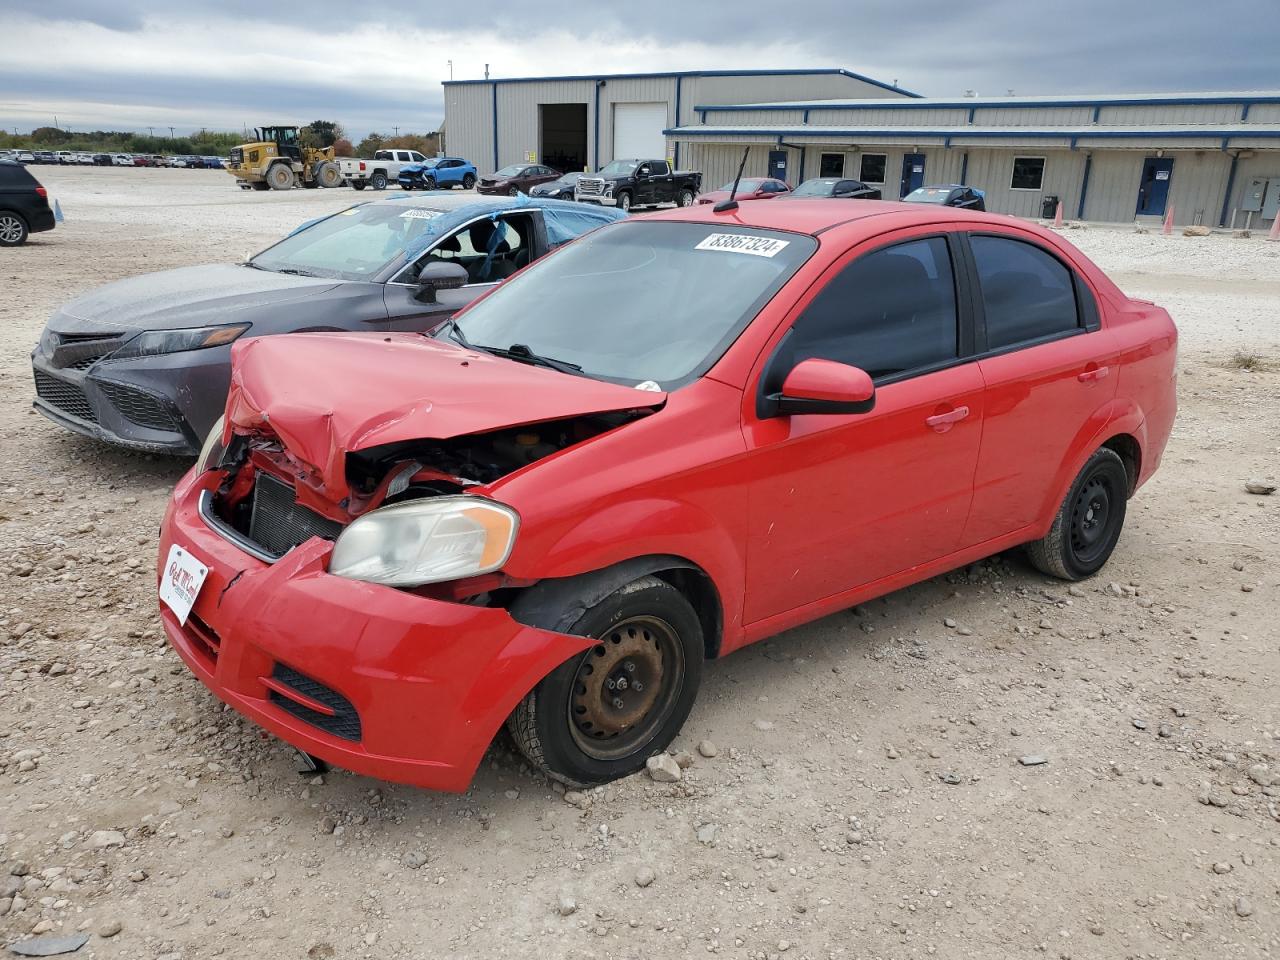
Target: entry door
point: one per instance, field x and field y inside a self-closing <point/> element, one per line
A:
<point x="778" y="165"/>
<point x="912" y="173"/>
<point x="1153" y="191"/>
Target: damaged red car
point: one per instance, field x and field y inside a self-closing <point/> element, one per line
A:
<point x="673" y="437"/>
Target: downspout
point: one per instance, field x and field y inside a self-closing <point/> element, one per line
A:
<point x="1084" y="185"/>
<point x="1226" y="197"/>
<point x="964" y="169"/>
<point x="802" y="153"/>
<point x="675" y="156"/>
<point x="495" y="126"/>
<point x="596" y="144"/>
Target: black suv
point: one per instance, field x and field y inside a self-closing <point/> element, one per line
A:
<point x="24" y="205"/>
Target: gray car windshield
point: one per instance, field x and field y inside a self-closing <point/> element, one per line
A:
<point x="356" y="244"/>
<point x="619" y="168"/>
<point x="639" y="301"/>
<point x="814" y="188"/>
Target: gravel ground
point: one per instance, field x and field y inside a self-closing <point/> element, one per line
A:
<point x="860" y="793"/>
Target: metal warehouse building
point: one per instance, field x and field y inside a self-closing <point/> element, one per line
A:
<point x="1214" y="158"/>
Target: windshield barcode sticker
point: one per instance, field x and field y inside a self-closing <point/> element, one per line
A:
<point x="419" y="214"/>
<point x="743" y="243"/>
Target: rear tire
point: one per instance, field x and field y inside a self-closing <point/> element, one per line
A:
<point x="1088" y="524"/>
<point x="13" y="229"/>
<point x="280" y="177"/>
<point x="358" y="186"/>
<point x="684" y="198"/>
<point x="378" y="181"/>
<point x="468" y="181"/>
<point x="581" y="729"/>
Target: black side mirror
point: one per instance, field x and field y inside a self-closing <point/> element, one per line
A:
<point x="440" y="276"/>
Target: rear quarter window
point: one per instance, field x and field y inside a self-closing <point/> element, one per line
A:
<point x="13" y="175"/>
<point x="1027" y="293"/>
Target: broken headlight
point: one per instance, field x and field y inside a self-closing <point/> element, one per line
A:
<point x="213" y="449"/>
<point x="155" y="342"/>
<point x="426" y="541"/>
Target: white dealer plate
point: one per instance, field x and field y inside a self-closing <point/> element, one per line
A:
<point x="742" y="243"/>
<point x="181" y="581"/>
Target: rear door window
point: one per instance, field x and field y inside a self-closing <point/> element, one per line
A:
<point x="889" y="312"/>
<point x="1027" y="293"/>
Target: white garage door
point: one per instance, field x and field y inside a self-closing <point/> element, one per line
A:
<point x="637" y="130"/>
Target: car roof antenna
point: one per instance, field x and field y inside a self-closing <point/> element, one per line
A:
<point x="731" y="204"/>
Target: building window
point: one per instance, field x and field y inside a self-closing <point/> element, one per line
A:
<point x="873" y="167"/>
<point x="1028" y="173"/>
<point x="832" y="165"/>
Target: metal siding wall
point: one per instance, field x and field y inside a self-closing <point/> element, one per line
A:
<point x="719" y="162"/>
<point x="518" y="119"/>
<point x="775" y="88"/>
<point x="877" y="118"/>
<point x="1032" y="116"/>
<point x="468" y="118"/>
<point x="1264" y="113"/>
<point x="992" y="170"/>
<point x="1113" y="186"/>
<point x="1199" y="179"/>
<point x="1149" y="114"/>
<point x="1259" y="165"/>
<point x="646" y="90"/>
<point x="765" y="118"/>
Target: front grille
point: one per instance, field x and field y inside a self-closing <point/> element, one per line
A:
<point x="140" y="408"/>
<point x="67" y="397"/>
<point x="279" y="523"/>
<point x="84" y="363"/>
<point x="344" y="723"/>
<point x="204" y="638"/>
<point x="591" y="187"/>
<point x="75" y="351"/>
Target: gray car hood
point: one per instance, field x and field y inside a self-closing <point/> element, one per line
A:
<point x="187" y="297"/>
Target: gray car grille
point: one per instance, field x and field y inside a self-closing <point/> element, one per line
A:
<point x="67" y="397"/>
<point x="279" y="523"/>
<point x="140" y="408"/>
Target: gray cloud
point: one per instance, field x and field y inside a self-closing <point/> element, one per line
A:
<point x="935" y="47"/>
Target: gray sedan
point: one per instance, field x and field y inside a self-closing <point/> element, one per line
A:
<point x="145" y="362"/>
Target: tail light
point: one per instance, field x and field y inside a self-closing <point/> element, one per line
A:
<point x="361" y="164"/>
<point x="42" y="192"/>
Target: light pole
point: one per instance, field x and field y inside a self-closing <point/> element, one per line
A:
<point x="152" y="132"/>
<point x="450" y="69"/>
<point x="171" y="133"/>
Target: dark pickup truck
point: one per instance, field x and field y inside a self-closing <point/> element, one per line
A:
<point x="638" y="183"/>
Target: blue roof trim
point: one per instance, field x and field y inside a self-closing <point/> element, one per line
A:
<point x="970" y="104"/>
<point x="824" y="71"/>
<point x="1085" y="133"/>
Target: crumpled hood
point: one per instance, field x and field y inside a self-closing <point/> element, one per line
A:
<point x="325" y="395"/>
<point x="186" y="297"/>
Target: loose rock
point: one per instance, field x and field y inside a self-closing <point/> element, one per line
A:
<point x="663" y="768"/>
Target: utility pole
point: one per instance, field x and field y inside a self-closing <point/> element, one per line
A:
<point x="397" y="130"/>
<point x="151" y="131"/>
<point x="171" y="133"/>
<point x="450" y="69"/>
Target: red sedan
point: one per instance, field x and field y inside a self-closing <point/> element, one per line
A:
<point x="674" y="437"/>
<point x="751" y="188"/>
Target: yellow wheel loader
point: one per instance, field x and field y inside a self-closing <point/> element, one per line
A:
<point x="277" y="160"/>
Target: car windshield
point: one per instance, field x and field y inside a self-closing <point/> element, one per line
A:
<point x="355" y="244"/>
<point x="746" y="186"/>
<point x="619" y="168"/>
<point x="569" y="179"/>
<point x="639" y="301"/>
<point x="509" y="172"/>
<point x="428" y="164"/>
<point x="928" y="195"/>
<point x="814" y="188"/>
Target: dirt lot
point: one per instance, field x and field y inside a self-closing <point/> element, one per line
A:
<point x="866" y="797"/>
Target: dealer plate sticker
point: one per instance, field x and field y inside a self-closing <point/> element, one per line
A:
<point x="181" y="582"/>
<point x="419" y="215"/>
<point x="743" y="243"/>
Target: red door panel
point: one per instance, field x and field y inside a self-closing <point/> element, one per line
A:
<point x="1037" y="398"/>
<point x="838" y="501"/>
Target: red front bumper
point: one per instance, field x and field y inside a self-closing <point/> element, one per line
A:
<point x="431" y="682"/>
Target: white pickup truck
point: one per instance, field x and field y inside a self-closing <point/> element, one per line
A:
<point x="384" y="168"/>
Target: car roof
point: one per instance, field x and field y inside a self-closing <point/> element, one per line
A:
<point x="814" y="215"/>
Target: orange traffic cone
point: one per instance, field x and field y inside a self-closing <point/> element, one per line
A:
<point x="1057" y="217"/>
<point x="1168" y="222"/>
<point x="1275" y="229"/>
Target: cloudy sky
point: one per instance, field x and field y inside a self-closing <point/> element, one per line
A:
<point x="127" y="64"/>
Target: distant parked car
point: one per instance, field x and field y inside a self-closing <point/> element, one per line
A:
<point x="122" y="160"/>
<point x="438" y="173"/>
<point x="836" y="187"/>
<point x="561" y="189"/>
<point x="84" y="159"/>
<point x="212" y="163"/>
<point x="517" y="178"/>
<point x="751" y="188"/>
<point x="24" y="205"/>
<point x="145" y="362"/>
<point x="65" y="156"/>
<point x="103" y="160"/>
<point x="26" y="156"/>
<point x="45" y="156"/>
<point x="949" y="195"/>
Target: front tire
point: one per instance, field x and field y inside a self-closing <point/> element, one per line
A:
<point x="13" y="229"/>
<point x="358" y="186"/>
<point x="624" y="202"/>
<point x="601" y="714"/>
<point x="379" y="181"/>
<point x="1088" y="524"/>
<point x="429" y="183"/>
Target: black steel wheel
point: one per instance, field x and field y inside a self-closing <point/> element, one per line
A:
<point x="602" y="713"/>
<point x="1088" y="523"/>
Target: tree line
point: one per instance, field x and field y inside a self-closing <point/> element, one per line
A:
<point x="318" y="133"/>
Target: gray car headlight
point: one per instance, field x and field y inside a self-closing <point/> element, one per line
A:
<point x="426" y="541"/>
<point x="155" y="342"/>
